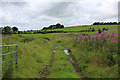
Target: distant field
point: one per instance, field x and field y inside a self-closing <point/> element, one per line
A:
<point x="96" y="27"/>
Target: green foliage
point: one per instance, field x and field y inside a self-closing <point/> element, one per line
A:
<point x="15" y="29"/>
<point x="94" y="62"/>
<point x="8" y="61"/>
<point x="57" y="26"/>
<point x="7" y="30"/>
<point x="33" y="55"/>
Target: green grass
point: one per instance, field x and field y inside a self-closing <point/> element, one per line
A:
<point x="35" y="35"/>
<point x="79" y="28"/>
<point x="62" y="68"/>
<point x="34" y="53"/>
<point x="90" y="61"/>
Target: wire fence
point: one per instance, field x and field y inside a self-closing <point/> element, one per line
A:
<point x="15" y="52"/>
<point x="8" y="59"/>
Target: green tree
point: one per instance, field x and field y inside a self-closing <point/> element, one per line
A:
<point x="7" y="30"/>
<point x="14" y="29"/>
<point x="58" y="25"/>
<point x="62" y="26"/>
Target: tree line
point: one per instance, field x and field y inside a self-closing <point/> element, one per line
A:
<point x="9" y="30"/>
<point x="14" y="30"/>
<point x="106" y="23"/>
<point x="57" y="26"/>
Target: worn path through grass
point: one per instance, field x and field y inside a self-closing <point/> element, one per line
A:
<point x="61" y="66"/>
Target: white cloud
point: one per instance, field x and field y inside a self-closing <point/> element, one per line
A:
<point x="36" y="14"/>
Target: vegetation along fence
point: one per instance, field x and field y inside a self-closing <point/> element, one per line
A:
<point x="16" y="53"/>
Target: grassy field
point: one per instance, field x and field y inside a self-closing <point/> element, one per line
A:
<point x="35" y="52"/>
<point x="96" y="27"/>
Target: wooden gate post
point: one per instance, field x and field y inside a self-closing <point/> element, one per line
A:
<point x="16" y="55"/>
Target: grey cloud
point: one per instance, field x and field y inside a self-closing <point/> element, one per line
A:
<point x="119" y="11"/>
<point x="59" y="10"/>
<point x="36" y="15"/>
<point x="13" y="4"/>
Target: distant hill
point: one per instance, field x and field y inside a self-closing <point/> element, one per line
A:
<point x="78" y="26"/>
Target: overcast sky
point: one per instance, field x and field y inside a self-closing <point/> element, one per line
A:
<point x="36" y="14"/>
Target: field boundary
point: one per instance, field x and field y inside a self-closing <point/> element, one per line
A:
<point x="16" y="52"/>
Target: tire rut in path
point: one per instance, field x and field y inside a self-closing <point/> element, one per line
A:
<point x="45" y="71"/>
<point x="74" y="63"/>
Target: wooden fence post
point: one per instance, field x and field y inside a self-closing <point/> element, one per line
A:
<point x="16" y="55"/>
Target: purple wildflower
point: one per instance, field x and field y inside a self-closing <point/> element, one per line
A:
<point x="102" y="33"/>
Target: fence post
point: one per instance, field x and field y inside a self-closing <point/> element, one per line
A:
<point x="16" y="55"/>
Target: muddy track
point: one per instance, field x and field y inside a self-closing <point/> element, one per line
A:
<point x="46" y="71"/>
<point x="77" y="69"/>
